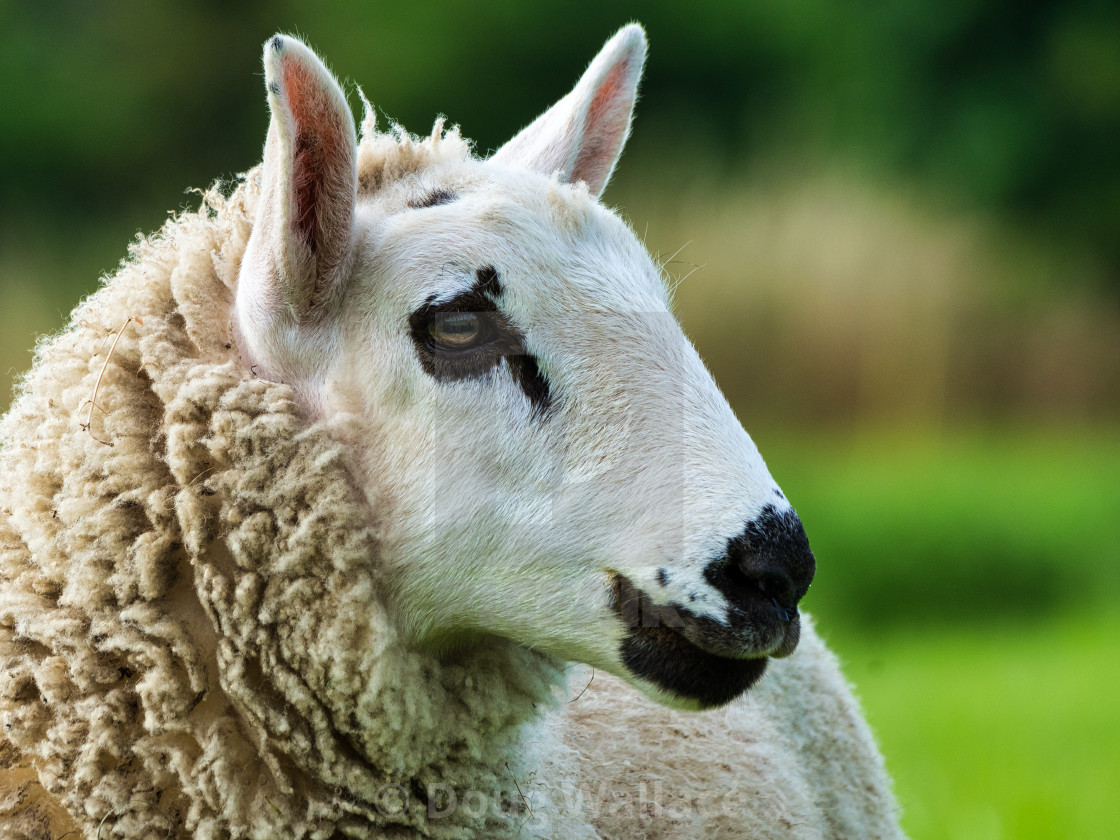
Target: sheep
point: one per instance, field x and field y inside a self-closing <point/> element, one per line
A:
<point x="383" y="497"/>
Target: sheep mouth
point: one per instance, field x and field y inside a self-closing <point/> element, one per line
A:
<point x="696" y="660"/>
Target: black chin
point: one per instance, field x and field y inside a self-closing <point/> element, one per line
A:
<point x="656" y="650"/>
<point x="672" y="663"/>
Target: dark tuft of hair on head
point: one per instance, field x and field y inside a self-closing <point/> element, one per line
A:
<point x="438" y="196"/>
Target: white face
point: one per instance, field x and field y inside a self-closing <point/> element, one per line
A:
<point x="546" y="455"/>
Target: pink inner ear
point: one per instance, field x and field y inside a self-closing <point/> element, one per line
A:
<point x="607" y="120"/>
<point x="318" y="137"/>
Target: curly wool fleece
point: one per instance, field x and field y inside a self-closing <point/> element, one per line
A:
<point x="192" y="640"/>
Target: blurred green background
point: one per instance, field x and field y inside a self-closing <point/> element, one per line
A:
<point x="894" y="228"/>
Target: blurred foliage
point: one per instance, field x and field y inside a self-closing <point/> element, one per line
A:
<point x="922" y="529"/>
<point x="1010" y="106"/>
<point x="824" y="301"/>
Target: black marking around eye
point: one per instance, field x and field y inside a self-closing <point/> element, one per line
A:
<point x="438" y="196"/>
<point x="502" y="340"/>
<point x="488" y="282"/>
<point x="531" y="381"/>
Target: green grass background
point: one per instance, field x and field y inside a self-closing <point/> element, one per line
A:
<point x="997" y="712"/>
<point x="1000" y="731"/>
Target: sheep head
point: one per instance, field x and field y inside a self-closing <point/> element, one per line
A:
<point x="549" y="460"/>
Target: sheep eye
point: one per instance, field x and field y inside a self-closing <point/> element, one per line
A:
<point x="456" y="330"/>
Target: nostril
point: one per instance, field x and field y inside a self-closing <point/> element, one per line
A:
<point x="785" y="614"/>
<point x="740" y="584"/>
<point x="770" y="558"/>
<point x="777" y="586"/>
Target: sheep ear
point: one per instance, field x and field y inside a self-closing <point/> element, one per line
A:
<point x="582" y="135"/>
<point x="301" y="240"/>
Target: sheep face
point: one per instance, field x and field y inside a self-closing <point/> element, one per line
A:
<point x="546" y="456"/>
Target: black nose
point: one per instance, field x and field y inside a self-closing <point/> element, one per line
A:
<point x="771" y="558"/>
